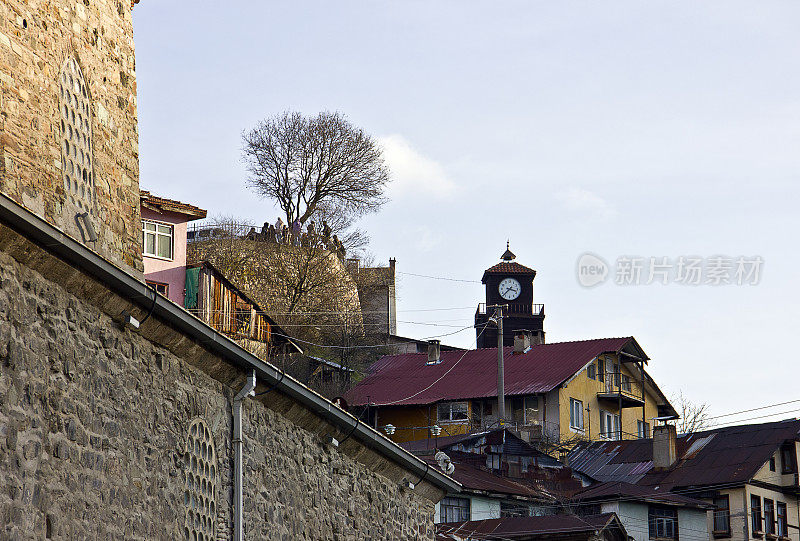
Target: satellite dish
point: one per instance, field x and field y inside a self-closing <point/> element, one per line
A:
<point x="444" y="463"/>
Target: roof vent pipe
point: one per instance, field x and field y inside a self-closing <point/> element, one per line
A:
<point x="522" y="342"/>
<point x="665" y="453"/>
<point x="434" y="352"/>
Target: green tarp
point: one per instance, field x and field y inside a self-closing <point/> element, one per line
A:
<point x="192" y="282"/>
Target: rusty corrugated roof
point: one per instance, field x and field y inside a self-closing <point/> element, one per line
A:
<point x="407" y="379"/>
<point x="631" y="492"/>
<point x="170" y="205"/>
<point x="527" y="527"/>
<point x="725" y="455"/>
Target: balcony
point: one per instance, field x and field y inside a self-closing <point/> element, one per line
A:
<point x="523" y="309"/>
<point x="621" y="388"/>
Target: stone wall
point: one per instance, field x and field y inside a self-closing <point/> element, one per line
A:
<point x="37" y="39"/>
<point x="93" y="439"/>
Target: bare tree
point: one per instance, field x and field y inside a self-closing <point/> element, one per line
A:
<point x="315" y="164"/>
<point x="307" y="289"/>
<point x="693" y="417"/>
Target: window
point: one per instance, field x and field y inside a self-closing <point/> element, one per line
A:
<point x="575" y="414"/>
<point x="609" y="425"/>
<point x="76" y="136"/>
<point x="200" y="483"/>
<point x="452" y="411"/>
<point x="160" y="287"/>
<point x="772" y="463"/>
<point x="525" y="409"/>
<point x="663" y="523"/>
<point x="591" y="371"/>
<point x="157" y="239"/>
<point x="769" y="517"/>
<point x="722" y="515"/>
<point x="600" y="370"/>
<point x="755" y="513"/>
<point x="788" y="459"/>
<point x="514" y="509"/>
<point x="782" y="526"/>
<point x="642" y="429"/>
<point x="454" y="509"/>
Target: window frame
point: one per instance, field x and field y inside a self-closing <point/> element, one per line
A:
<point x="449" y="406"/>
<point x="662" y="517"/>
<point x="156" y="233"/>
<point x="756" y="516"/>
<point x="609" y="432"/>
<point x="451" y="503"/>
<point x="788" y="459"/>
<point x="643" y="425"/>
<point x="781" y="522"/>
<point x="576" y="407"/>
<point x="718" y="508"/>
<point x="160" y="287"/>
<point x="769" y="516"/>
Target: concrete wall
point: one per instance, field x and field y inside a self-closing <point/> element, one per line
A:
<point x="36" y="40"/>
<point x="776" y="496"/>
<point x="480" y="508"/>
<point x="94" y="423"/>
<point x="484" y="508"/>
<point x="169" y="272"/>
<point x="692" y="523"/>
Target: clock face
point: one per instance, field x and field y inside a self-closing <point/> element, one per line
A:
<point x="509" y="289"/>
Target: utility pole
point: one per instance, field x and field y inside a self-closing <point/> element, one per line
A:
<point x="501" y="385"/>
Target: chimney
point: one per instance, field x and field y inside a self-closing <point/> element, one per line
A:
<point x="434" y="352"/>
<point x="665" y="453"/>
<point x="522" y="341"/>
<point x="352" y="264"/>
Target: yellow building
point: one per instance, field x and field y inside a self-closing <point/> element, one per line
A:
<point x="558" y="392"/>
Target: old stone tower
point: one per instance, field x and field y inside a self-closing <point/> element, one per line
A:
<point x="68" y="129"/>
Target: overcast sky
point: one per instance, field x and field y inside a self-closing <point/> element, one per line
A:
<point x="649" y="129"/>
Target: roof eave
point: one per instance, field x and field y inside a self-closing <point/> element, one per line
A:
<point x="59" y="245"/>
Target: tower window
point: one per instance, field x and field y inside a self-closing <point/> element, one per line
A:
<point x="76" y="137"/>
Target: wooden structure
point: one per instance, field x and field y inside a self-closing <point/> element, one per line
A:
<point x="218" y="302"/>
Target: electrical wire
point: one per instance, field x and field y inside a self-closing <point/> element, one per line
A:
<point x="753" y="409"/>
<point x="733" y="423"/>
<point x="446" y="279"/>
<point x="443" y="375"/>
<point x="325" y="312"/>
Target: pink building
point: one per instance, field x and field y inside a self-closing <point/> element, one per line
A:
<point x="164" y="243"/>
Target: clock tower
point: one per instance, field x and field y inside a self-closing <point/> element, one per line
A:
<point x="511" y="284"/>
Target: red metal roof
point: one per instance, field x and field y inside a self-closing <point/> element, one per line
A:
<point x="407" y="379"/>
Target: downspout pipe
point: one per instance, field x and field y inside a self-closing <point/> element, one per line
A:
<point x="238" y="473"/>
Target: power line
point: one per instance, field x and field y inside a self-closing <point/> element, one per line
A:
<point x="446" y="279"/>
<point x="753" y="409"/>
<point x="440" y="377"/>
<point x="732" y="423"/>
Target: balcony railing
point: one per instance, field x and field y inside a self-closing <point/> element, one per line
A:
<point x="526" y="309"/>
<point x="618" y="386"/>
